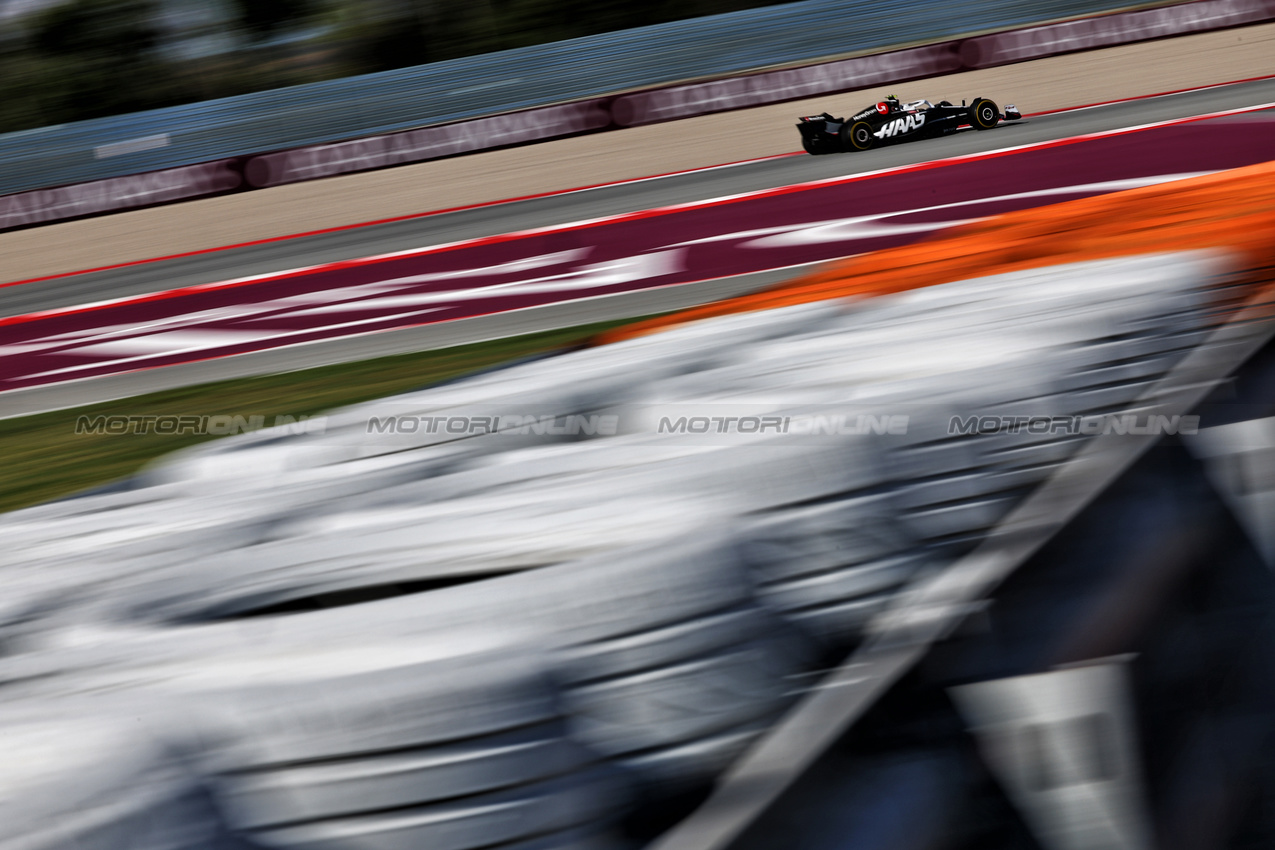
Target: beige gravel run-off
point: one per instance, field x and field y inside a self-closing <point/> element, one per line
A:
<point x="1053" y="83"/>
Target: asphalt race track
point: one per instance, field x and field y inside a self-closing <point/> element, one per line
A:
<point x="901" y="206"/>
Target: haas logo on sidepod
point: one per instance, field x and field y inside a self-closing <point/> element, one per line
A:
<point x="901" y="125"/>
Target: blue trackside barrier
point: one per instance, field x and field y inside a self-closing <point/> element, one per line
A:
<point x="494" y="83"/>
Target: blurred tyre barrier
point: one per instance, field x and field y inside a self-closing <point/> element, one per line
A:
<point x="457" y="741"/>
<point x="830" y="568"/>
<point x="99" y="783"/>
<point x="440" y="753"/>
<point x="324" y="563"/>
<point x="509" y="125"/>
<point x="665" y="666"/>
<point x="374" y="436"/>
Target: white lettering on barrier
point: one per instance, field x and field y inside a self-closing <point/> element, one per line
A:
<point x="426" y="143"/>
<point x="774" y="86"/>
<point x="117" y="193"/>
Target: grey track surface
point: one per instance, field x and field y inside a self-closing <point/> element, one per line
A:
<point x="521" y="215"/>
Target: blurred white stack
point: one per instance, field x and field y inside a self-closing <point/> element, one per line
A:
<point x="379" y="639"/>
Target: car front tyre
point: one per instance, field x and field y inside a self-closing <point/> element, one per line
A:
<point x="985" y="114"/>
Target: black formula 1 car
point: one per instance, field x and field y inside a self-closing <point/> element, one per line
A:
<point x="893" y="121"/>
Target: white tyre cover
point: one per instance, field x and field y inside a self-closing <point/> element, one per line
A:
<point x="800" y="541"/>
<point x="841" y="585"/>
<point x="972" y="485"/>
<point x="259" y="723"/>
<point x="486" y="820"/>
<point x="672" y="769"/>
<point x="960" y="518"/>
<point x="103" y="783"/>
<point x="664" y="646"/>
<point x="839" y="623"/>
<point x="681" y="703"/>
<point x="324" y="789"/>
<point x="631" y="591"/>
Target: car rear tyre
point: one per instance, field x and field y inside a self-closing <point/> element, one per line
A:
<point x="985" y="114"/>
<point x="857" y="136"/>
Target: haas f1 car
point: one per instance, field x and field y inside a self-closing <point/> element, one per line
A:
<point x="892" y="121"/>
